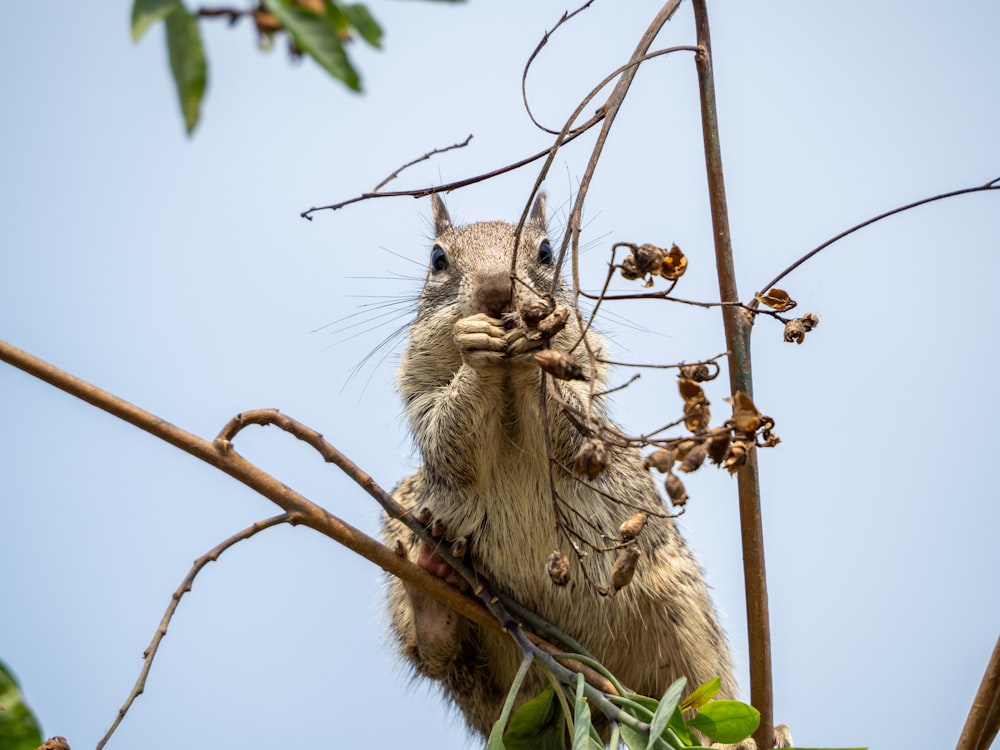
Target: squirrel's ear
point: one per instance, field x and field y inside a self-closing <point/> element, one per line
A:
<point x="538" y="210"/>
<point x="442" y="222"/>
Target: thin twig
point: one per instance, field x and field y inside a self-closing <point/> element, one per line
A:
<point x="737" y="326"/>
<point x="150" y="653"/>
<point x="984" y="717"/>
<point x="419" y="159"/>
<point x="531" y="58"/>
<point x="991" y="185"/>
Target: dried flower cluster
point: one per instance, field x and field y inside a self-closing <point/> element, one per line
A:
<point x="648" y="260"/>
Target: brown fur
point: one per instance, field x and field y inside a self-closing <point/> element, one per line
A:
<point x="471" y="392"/>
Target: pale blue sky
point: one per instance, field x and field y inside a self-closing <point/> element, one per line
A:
<point x="177" y="274"/>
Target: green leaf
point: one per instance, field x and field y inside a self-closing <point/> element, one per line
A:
<point x="537" y="724"/>
<point x="187" y="63"/>
<point x="726" y="721"/>
<point x="18" y="727"/>
<point x="361" y="19"/>
<point x="317" y="36"/>
<point x="147" y="12"/>
<point x="702" y="694"/>
<point x="680" y="728"/>
<point x="665" y="710"/>
<point x="581" y="718"/>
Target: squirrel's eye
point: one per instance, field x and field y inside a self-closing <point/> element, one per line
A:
<point x="545" y="256"/>
<point x="439" y="260"/>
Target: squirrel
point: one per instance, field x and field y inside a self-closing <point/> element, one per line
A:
<point x="471" y="389"/>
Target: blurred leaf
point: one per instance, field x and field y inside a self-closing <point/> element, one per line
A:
<point x="18" y="727"/>
<point x="537" y="724"/>
<point x="581" y="718"/>
<point x="702" y="694"/>
<point x="147" y="12"/>
<point x="317" y="36"/>
<point x="362" y="20"/>
<point x="187" y="63"/>
<point x="665" y="710"/>
<point x="726" y="721"/>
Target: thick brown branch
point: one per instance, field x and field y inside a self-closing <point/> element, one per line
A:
<point x="738" y="325"/>
<point x="984" y="717"/>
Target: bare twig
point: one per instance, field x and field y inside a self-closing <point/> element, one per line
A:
<point x="150" y="653"/>
<point x="531" y="58"/>
<point x="419" y="159"/>
<point x="984" y="717"/>
<point x="991" y="185"/>
<point x="737" y="326"/>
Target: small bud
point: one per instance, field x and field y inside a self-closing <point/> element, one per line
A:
<point x="795" y="331"/>
<point x="551" y="324"/>
<point x="674" y="264"/>
<point x="675" y="490"/>
<point x="718" y="448"/>
<point x="630" y="529"/>
<point x="694" y="458"/>
<point x="624" y="568"/>
<point x="559" y="365"/>
<point x="591" y="459"/>
<point x="557" y="567"/>
<point x="661" y="460"/>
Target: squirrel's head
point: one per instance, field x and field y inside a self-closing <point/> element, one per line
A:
<point x="475" y="269"/>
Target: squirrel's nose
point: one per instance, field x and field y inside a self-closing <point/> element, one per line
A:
<point x="494" y="294"/>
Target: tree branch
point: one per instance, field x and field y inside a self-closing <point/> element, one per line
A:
<point x="984" y="717"/>
<point x="738" y="325"/>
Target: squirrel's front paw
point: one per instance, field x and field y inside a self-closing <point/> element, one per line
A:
<point x="481" y="340"/>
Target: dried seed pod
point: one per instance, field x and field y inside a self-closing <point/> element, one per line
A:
<point x="533" y="311"/>
<point x="551" y="324"/>
<point x="745" y="414"/>
<point x="809" y="321"/>
<point x="674" y="264"/>
<point x="557" y="567"/>
<point x="795" y="331"/>
<point x="698" y="373"/>
<point x="675" y="490"/>
<point x="630" y="529"/>
<point x="691" y="392"/>
<point x="649" y="258"/>
<point x="767" y="438"/>
<point x="737" y="456"/>
<point x="718" y="448"/>
<point x="559" y="365"/>
<point x="697" y="417"/>
<point x="624" y="567"/>
<point x="591" y="459"/>
<point x="682" y="448"/>
<point x="777" y="299"/>
<point x="662" y="460"/>
<point x="629" y="269"/>
<point x="694" y="458"/>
